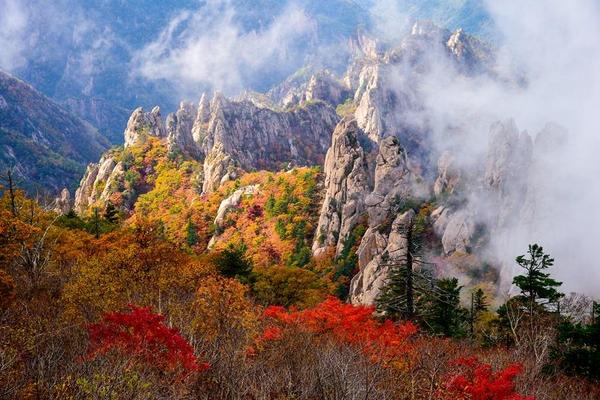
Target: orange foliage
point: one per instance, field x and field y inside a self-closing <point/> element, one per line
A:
<point x="385" y="342"/>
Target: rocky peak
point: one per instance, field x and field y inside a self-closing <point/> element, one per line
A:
<point x="327" y="88"/>
<point x="509" y="155"/>
<point x="179" y="130"/>
<point x="448" y="175"/>
<point x="367" y="284"/>
<point x="242" y="135"/>
<point x="141" y="122"/>
<point x="62" y="203"/>
<point x="346" y="185"/>
<point x="203" y="114"/>
<point x="365" y="46"/>
<point x="427" y="29"/>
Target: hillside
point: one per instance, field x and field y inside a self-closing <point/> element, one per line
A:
<point x="48" y="146"/>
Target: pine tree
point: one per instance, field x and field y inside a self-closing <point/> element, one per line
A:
<point x="537" y="288"/>
<point x="397" y="298"/>
<point x="479" y="305"/>
<point x="233" y="262"/>
<point x="445" y="315"/>
<point x="191" y="234"/>
<point x="111" y="214"/>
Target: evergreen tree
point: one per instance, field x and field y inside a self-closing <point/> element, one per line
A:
<point x="537" y="288"/>
<point x="479" y="305"/>
<point x="397" y="298"/>
<point x="96" y="223"/>
<point x="445" y="315"/>
<point x="233" y="262"/>
<point x="111" y="214"/>
<point x="578" y="349"/>
<point x="191" y="234"/>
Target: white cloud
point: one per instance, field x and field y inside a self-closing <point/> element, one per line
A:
<point x="209" y="48"/>
<point x="13" y="25"/>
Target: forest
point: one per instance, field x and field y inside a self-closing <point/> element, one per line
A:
<point x="105" y="305"/>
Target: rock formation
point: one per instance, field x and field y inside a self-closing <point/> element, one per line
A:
<point x="226" y="205"/>
<point x="346" y="183"/>
<point x="240" y="135"/>
<point x="143" y="123"/>
<point x="62" y="204"/>
<point x="179" y="130"/>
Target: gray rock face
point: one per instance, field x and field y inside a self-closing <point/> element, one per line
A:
<point x="141" y="123"/>
<point x="93" y="184"/>
<point x="448" y="175"/>
<point x="179" y="130"/>
<point x="347" y="184"/>
<point x="242" y="135"/>
<point x="506" y="174"/>
<point x="367" y="284"/>
<point x="62" y="204"/>
<point x="326" y="88"/>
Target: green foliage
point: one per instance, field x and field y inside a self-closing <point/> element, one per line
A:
<point x="232" y="262"/>
<point x="192" y="234"/>
<point x="444" y="314"/>
<point x="347" y="261"/>
<point x="111" y="214"/>
<point x="536" y="285"/>
<point x="578" y="349"/>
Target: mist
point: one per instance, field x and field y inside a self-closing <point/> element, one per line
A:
<point x="209" y="48"/>
<point x="547" y="70"/>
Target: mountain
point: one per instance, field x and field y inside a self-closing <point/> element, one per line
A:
<point x="79" y="62"/>
<point x="48" y="146"/>
<point x="381" y="170"/>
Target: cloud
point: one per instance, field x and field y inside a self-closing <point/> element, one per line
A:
<point x="209" y="47"/>
<point x="13" y="26"/>
<point x="546" y="70"/>
<point x="555" y="47"/>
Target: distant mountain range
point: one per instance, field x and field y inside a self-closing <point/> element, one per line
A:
<point x="85" y="63"/>
<point x="46" y="145"/>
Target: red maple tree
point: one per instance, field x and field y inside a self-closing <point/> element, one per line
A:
<point x="142" y="335"/>
<point x="384" y="341"/>
<point x="478" y="381"/>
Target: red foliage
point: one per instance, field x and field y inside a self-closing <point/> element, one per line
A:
<point x="479" y="382"/>
<point x="143" y="335"/>
<point x="386" y="342"/>
<point x="255" y="211"/>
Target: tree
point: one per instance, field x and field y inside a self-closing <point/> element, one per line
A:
<point x="578" y="350"/>
<point x="142" y="335"/>
<point x="111" y="214"/>
<point x="536" y="285"/>
<point x="397" y="298"/>
<point x="232" y="262"/>
<point x="191" y="234"/>
<point x="479" y="305"/>
<point x="444" y="314"/>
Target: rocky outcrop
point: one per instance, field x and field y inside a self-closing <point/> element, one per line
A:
<point x="143" y="123"/>
<point x="228" y="204"/>
<point x="367" y="284"/>
<point x="351" y="195"/>
<point x="62" y="204"/>
<point x="395" y="183"/>
<point x="241" y="135"/>
<point x="346" y="183"/>
<point x="325" y="87"/>
<point x="179" y="130"/>
<point x="506" y="173"/>
<point x="448" y="175"/>
<point x="93" y="184"/>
